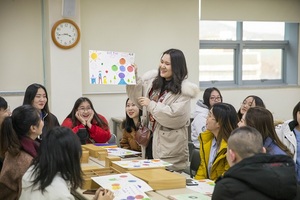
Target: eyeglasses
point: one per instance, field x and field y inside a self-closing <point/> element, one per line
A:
<point x="215" y="98"/>
<point x="84" y="109"/>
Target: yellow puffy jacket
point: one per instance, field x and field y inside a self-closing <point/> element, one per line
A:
<point x="220" y="164"/>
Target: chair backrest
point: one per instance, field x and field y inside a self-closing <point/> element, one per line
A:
<point x="113" y="139"/>
<point x="195" y="162"/>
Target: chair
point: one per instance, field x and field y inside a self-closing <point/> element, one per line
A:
<point x="195" y="162"/>
<point x="113" y="139"/>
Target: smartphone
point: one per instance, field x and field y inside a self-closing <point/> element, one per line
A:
<point x="191" y="182"/>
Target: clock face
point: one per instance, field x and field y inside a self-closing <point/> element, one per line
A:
<point x="65" y="34"/>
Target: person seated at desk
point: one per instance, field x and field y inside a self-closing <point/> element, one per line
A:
<point x="37" y="96"/>
<point x="253" y="174"/>
<point x="56" y="168"/>
<point x="210" y="97"/>
<point x="130" y="125"/>
<point x="18" y="146"/>
<point x="221" y="120"/>
<point x="84" y="120"/>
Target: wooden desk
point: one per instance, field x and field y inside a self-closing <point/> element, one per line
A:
<point x="154" y="195"/>
<point x="117" y="121"/>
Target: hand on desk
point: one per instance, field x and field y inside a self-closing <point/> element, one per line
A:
<point x="104" y="194"/>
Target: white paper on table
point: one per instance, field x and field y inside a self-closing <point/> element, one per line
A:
<point x="121" y="152"/>
<point x="137" y="164"/>
<point x="124" y="186"/>
<point x="205" y="186"/>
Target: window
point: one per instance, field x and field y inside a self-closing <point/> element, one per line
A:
<point x="236" y="54"/>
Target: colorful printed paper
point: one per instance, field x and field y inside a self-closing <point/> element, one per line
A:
<point x="109" y="67"/>
<point x="135" y="164"/>
<point x="125" y="186"/>
<point x="121" y="152"/>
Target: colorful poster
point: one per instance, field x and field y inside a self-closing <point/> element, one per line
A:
<point x="125" y="186"/>
<point x="109" y="67"/>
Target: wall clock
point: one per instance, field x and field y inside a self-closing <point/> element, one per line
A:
<point x="65" y="34"/>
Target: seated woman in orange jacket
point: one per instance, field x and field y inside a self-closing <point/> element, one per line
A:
<point x="86" y="123"/>
<point x="130" y="125"/>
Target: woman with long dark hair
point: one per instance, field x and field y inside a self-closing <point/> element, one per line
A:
<point x="18" y="146"/>
<point x="56" y="169"/>
<point x="37" y="96"/>
<point x="221" y="121"/>
<point x="130" y="126"/>
<point x="211" y="96"/>
<point x="166" y="93"/>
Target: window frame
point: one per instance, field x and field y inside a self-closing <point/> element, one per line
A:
<point x="288" y="47"/>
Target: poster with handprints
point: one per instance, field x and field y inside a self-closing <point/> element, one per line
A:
<point x="124" y="186"/>
<point x="110" y="67"/>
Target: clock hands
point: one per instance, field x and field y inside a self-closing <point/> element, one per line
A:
<point x="64" y="34"/>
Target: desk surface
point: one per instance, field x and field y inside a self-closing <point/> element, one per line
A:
<point x="155" y="195"/>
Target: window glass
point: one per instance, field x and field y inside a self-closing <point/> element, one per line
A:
<point x="217" y="30"/>
<point x="216" y="64"/>
<point x="263" y="31"/>
<point x="262" y="64"/>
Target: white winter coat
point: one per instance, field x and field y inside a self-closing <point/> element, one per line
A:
<point x="172" y="115"/>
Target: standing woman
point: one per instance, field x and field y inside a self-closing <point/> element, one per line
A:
<point x="211" y="96"/>
<point x="166" y="93"/>
<point x="37" y="96"/>
<point x="221" y="121"/>
<point x="130" y="125"/>
<point x="18" y="147"/>
<point x="262" y="119"/>
<point x="250" y="101"/>
<point x="84" y="117"/>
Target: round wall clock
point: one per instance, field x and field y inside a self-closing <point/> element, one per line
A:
<point x="65" y="34"/>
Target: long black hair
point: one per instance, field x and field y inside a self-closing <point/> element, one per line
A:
<point x="179" y="72"/>
<point x="128" y="123"/>
<point x="206" y="96"/>
<point x="60" y="152"/>
<point x="29" y="96"/>
<point x="16" y="126"/>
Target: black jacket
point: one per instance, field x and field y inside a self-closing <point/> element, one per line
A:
<point x="261" y="177"/>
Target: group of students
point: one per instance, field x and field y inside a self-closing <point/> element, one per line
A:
<point x="31" y="138"/>
<point x="214" y="124"/>
<point x="27" y="135"/>
<point x="40" y="158"/>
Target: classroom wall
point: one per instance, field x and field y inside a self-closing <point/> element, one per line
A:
<point x="146" y="28"/>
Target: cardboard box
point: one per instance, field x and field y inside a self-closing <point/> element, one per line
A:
<point x="160" y="179"/>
